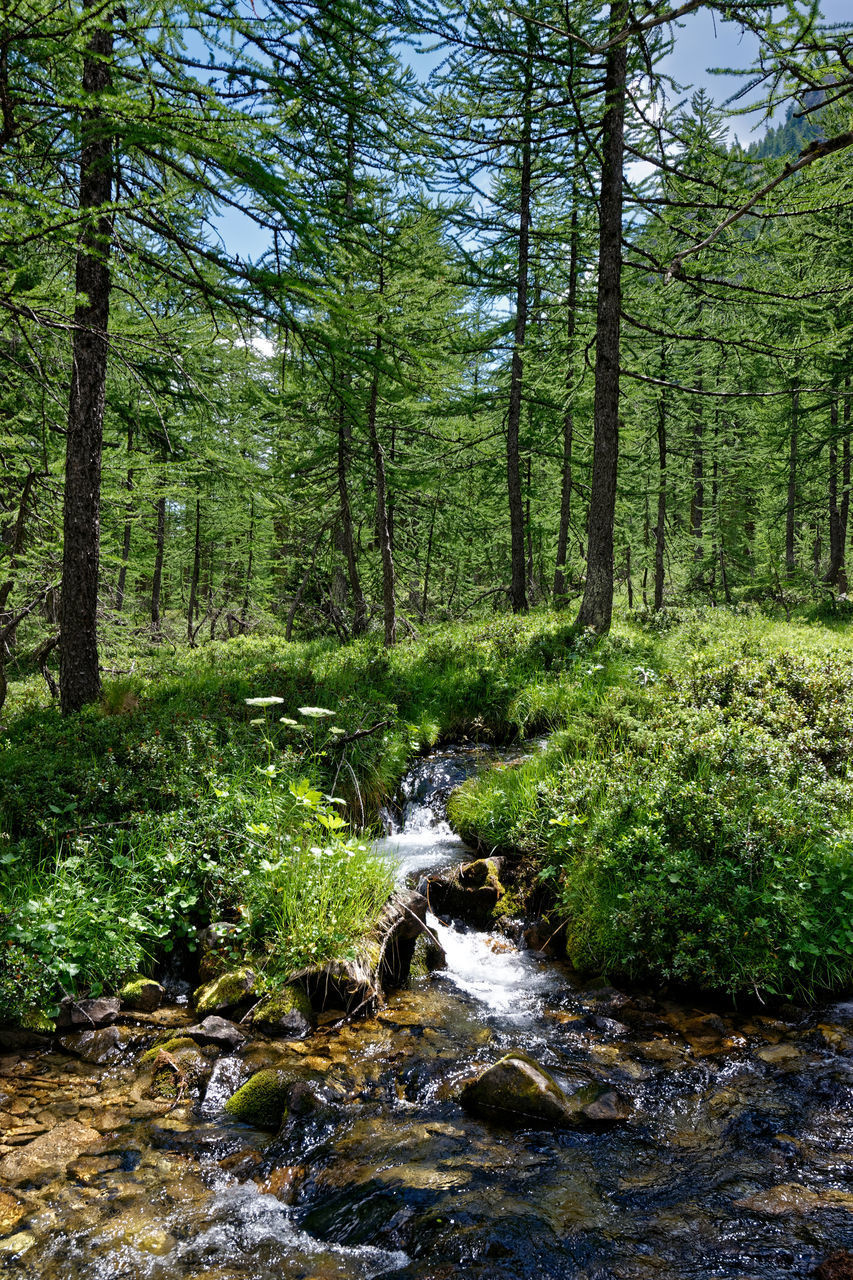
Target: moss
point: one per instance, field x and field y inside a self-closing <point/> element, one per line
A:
<point x="286" y="1012"/>
<point x="141" y="993"/>
<point x="172" y="1046"/>
<point x="35" y="1020"/>
<point x="263" y="1100"/>
<point x="225" y="992"/>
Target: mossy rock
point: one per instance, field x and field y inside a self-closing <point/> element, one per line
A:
<point x="228" y="991"/>
<point x="263" y="1100"/>
<point x="428" y="956"/>
<point x="177" y="1064"/>
<point x="141" y="993"/>
<point x="519" y="1091"/>
<point x="287" y="1013"/>
<point x="470" y="892"/>
<point x="167" y="1046"/>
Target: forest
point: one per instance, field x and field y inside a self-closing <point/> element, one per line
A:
<point x="425" y="476"/>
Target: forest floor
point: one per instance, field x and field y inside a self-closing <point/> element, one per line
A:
<point x="690" y="817"/>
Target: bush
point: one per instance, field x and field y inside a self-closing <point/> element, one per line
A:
<point x="701" y="832"/>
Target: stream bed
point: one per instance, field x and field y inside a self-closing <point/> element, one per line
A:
<point x="736" y="1161"/>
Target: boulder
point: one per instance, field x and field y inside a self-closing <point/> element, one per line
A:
<point x="517" y="1090"/>
<point x="178" y="1067"/>
<point x="218" y="1031"/>
<point x="143" y="994"/>
<point x="227" y="992"/>
<point x="429" y="956"/>
<point x="838" y="1266"/>
<point x="286" y="1013"/>
<point x="105" y="1044"/>
<point x="80" y="1014"/>
<point x="263" y="1100"/>
<point x="469" y="892"/>
<point x="48" y="1154"/>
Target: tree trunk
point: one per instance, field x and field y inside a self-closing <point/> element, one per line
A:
<point x="790" y="527"/>
<point x="836" y="545"/>
<point x="845" y="489"/>
<point x="80" y="680"/>
<point x="385" y="550"/>
<point x="346" y="536"/>
<point x="244" y="612"/>
<point x="597" y="605"/>
<point x="517" y="590"/>
<point x="125" y="544"/>
<point x="427" y="566"/>
<point x="660" y="527"/>
<point x="160" y="549"/>
<point x="568" y="417"/>
<point x="192" y="608"/>
<point x="697" y="500"/>
<point x="16" y="544"/>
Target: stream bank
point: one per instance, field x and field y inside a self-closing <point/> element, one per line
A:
<point x="736" y="1159"/>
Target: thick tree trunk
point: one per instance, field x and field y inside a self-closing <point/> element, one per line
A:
<point x="517" y="590"/>
<point x="790" y="512"/>
<point x="568" y="417"/>
<point x="16" y="544"/>
<point x="597" y="605"/>
<point x="78" y="646"/>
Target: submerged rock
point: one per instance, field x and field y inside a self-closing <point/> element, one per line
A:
<point x="518" y="1090"/>
<point x="286" y="1013"/>
<point x="838" y="1266"/>
<point x="49" y="1153"/>
<point x="76" y="1014"/>
<point x="142" y="993"/>
<point x="228" y="991"/>
<point x="11" y="1212"/>
<point x="469" y="892"/>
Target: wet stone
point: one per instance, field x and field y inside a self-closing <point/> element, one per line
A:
<point x="519" y="1091"/>
<point x="104" y="1045"/>
<point x="11" y="1212"/>
<point x="49" y="1153"/>
<point x="216" y="1031"/>
<point x="88" y="1013"/>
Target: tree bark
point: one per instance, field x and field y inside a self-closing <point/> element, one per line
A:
<point x="845" y="490"/>
<point x="518" y="590"/>
<point x="568" y="416"/>
<point x="660" y="527"/>
<point x="790" y="511"/>
<point x="192" y="608"/>
<point x="836" y="546"/>
<point x="125" y="545"/>
<point x="160" y="550"/>
<point x="385" y="548"/>
<point x="596" y="608"/>
<point x="247" y="590"/>
<point x="80" y="681"/>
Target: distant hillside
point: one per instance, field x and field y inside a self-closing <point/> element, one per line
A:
<point x="790" y="137"/>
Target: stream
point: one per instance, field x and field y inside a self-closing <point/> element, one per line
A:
<point x="736" y="1161"/>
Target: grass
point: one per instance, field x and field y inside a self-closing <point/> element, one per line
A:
<point x="695" y="826"/>
<point x="685" y="776"/>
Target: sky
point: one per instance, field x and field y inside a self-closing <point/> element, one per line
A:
<point x="701" y="43"/>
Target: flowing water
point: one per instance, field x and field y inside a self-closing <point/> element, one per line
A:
<point x="737" y="1160"/>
